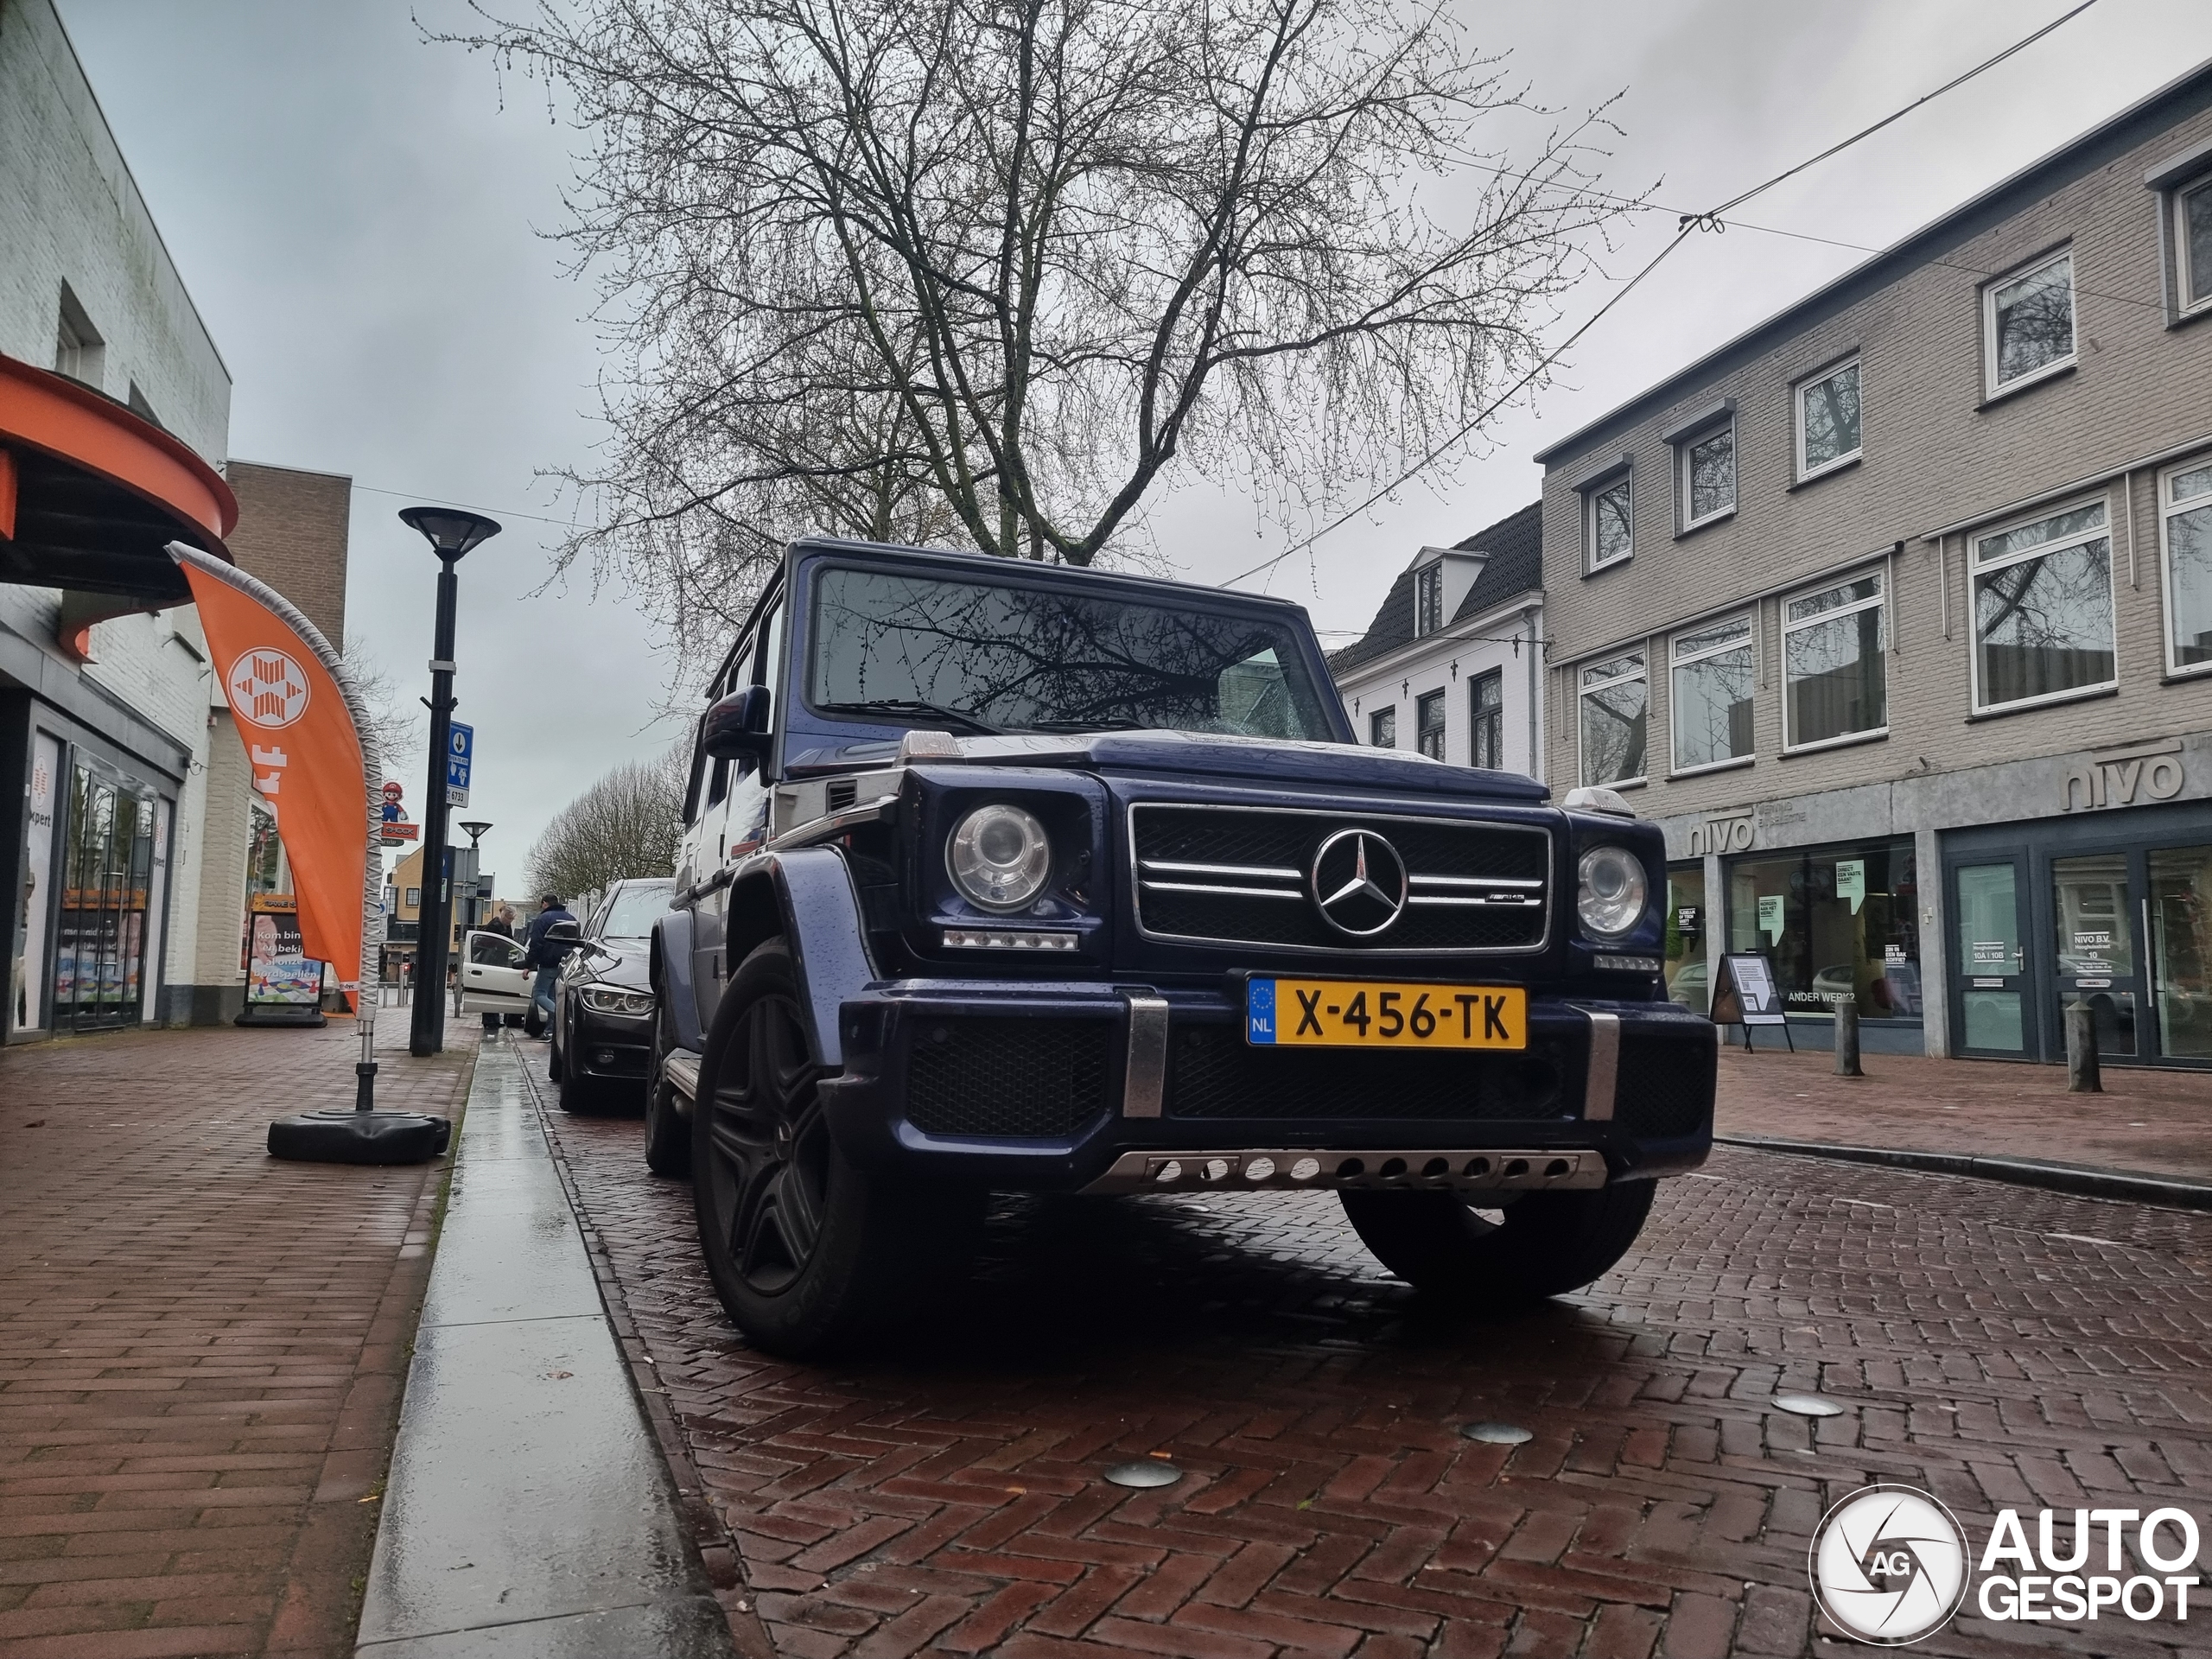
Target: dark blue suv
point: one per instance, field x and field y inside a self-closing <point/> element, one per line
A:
<point x="1007" y="876"/>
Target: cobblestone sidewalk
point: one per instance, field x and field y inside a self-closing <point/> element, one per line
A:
<point x="201" y="1350"/>
<point x="1995" y="1345"/>
<point x="2149" y="1122"/>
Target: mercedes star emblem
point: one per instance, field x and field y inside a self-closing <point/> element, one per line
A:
<point x="1358" y="882"/>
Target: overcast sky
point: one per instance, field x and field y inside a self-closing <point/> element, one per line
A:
<point x="363" y="219"/>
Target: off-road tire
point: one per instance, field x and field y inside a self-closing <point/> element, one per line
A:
<point x="668" y="1137"/>
<point x="1548" y="1244"/>
<point x="809" y="1253"/>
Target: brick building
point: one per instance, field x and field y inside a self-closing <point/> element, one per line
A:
<point x="1449" y="667"/>
<point x="1895" y="613"/>
<point x="132" y="836"/>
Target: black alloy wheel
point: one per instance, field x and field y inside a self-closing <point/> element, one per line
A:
<point x="668" y="1137"/>
<point x="809" y="1253"/>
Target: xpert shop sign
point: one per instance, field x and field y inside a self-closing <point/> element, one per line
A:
<point x="1891" y="1566"/>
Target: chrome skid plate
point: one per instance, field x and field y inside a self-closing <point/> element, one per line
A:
<point x="1306" y="1167"/>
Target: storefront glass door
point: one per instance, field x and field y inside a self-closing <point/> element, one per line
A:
<point x="100" y="935"/>
<point x="1991" y="970"/>
<point x="2181" y="950"/>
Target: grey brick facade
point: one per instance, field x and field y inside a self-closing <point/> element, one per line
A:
<point x="1941" y="463"/>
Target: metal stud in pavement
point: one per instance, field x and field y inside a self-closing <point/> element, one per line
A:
<point x="1496" y="1434"/>
<point x="1144" y="1471"/>
<point x="1807" y="1405"/>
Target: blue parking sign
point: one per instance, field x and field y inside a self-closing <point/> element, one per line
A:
<point x="461" y="750"/>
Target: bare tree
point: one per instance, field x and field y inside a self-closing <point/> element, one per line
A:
<point x="398" y="732"/>
<point x="994" y="269"/>
<point x="626" y="825"/>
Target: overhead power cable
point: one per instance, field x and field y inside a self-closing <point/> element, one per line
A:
<point x="1711" y="220"/>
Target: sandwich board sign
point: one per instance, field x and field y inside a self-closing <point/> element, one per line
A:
<point x="1745" y="996"/>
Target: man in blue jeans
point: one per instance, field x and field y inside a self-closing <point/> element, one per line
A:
<point x="546" y="961"/>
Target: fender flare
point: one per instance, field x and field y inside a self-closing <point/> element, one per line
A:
<point x="671" y="978"/>
<point x="807" y="896"/>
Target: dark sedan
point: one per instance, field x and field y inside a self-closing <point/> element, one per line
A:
<point x="603" y="1001"/>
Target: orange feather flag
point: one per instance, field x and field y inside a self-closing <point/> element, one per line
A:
<point x="285" y="685"/>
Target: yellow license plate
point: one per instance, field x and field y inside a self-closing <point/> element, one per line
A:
<point x="1363" y="1013"/>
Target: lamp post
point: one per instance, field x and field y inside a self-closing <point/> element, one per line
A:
<point x="450" y="532"/>
<point x="474" y="828"/>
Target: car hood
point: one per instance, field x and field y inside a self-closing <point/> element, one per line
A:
<point x="626" y="963"/>
<point x="1268" y="760"/>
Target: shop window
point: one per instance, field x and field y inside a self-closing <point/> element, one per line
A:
<point x="1613" y="697"/>
<point x="2181" y="950"/>
<point x="1689" y="980"/>
<point x="2097" y="945"/>
<point x="1706" y="488"/>
<point x="2043" y="609"/>
<point x="2185" y="531"/>
<point x="1609" y="519"/>
<point x="1428" y="724"/>
<point x="2027" y="324"/>
<point x="101" y="965"/>
<point x="1833" y="642"/>
<point x="1486" y="707"/>
<point x="1838" y="924"/>
<point x="1712" y="695"/>
<point x="1828" y="430"/>
<point x="1382" y="727"/>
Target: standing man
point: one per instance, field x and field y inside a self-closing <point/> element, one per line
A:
<point x="544" y="958"/>
<point x="502" y="921"/>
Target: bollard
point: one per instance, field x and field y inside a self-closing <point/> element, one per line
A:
<point x="2082" y="1074"/>
<point x="1847" y="1039"/>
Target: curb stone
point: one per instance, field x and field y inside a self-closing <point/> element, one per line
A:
<point x="2083" y="1181"/>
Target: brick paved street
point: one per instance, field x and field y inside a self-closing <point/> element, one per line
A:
<point x="1998" y="1345"/>
<point x="2155" y="1122"/>
<point x="200" y="1348"/>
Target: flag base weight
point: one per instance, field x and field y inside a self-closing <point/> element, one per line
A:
<point x="358" y="1137"/>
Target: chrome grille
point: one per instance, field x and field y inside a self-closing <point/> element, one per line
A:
<point x="1242" y="875"/>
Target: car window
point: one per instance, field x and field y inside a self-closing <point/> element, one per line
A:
<point x="1020" y="658"/>
<point x="634" y="910"/>
<point x="493" y="950"/>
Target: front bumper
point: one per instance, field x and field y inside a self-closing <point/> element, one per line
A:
<point x="1066" y="1087"/>
<point x="609" y="1048"/>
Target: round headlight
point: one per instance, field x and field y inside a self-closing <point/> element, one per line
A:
<point x="1611" y="892"/>
<point x="999" y="857"/>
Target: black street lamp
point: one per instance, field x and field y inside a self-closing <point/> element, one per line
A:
<point x="474" y="828"/>
<point x="451" y="532"/>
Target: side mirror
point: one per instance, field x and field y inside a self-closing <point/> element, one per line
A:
<point x="737" y="727"/>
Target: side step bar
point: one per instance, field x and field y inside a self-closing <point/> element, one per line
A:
<point x="683" y="1069"/>
<point x="1306" y="1166"/>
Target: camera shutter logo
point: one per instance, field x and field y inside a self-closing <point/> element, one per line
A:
<point x="1889" y="1565"/>
<point x="267" y="688"/>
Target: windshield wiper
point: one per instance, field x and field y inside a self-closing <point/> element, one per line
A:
<point x="911" y="706"/>
<point x="1088" y="723"/>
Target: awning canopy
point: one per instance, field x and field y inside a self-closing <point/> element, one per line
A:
<point x="90" y="493"/>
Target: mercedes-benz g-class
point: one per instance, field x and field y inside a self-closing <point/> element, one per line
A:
<point x="999" y="876"/>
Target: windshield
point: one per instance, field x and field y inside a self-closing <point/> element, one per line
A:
<point x="981" y="655"/>
<point x="636" y="909"/>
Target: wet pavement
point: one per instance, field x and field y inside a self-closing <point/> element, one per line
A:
<point x="1998" y="1346"/>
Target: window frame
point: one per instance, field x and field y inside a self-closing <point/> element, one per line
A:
<point x="1976" y="568"/>
<point x="1747" y="641"/>
<point x="1992" y="388"/>
<point x="1374" y="719"/>
<point x="2168" y="510"/>
<point x="1604" y="484"/>
<point x="1879" y="575"/>
<point x="1582" y="671"/>
<point x="1798" y="388"/>
<point x="414" y="899"/>
<point x="1428" y="599"/>
<point x="2177" y="225"/>
<point x="1439" y="700"/>
<point x="1481" y="715"/>
<point x="1684" y="522"/>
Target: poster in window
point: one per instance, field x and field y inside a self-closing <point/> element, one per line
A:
<point x="1770" y="917"/>
<point x="1851" y="881"/>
